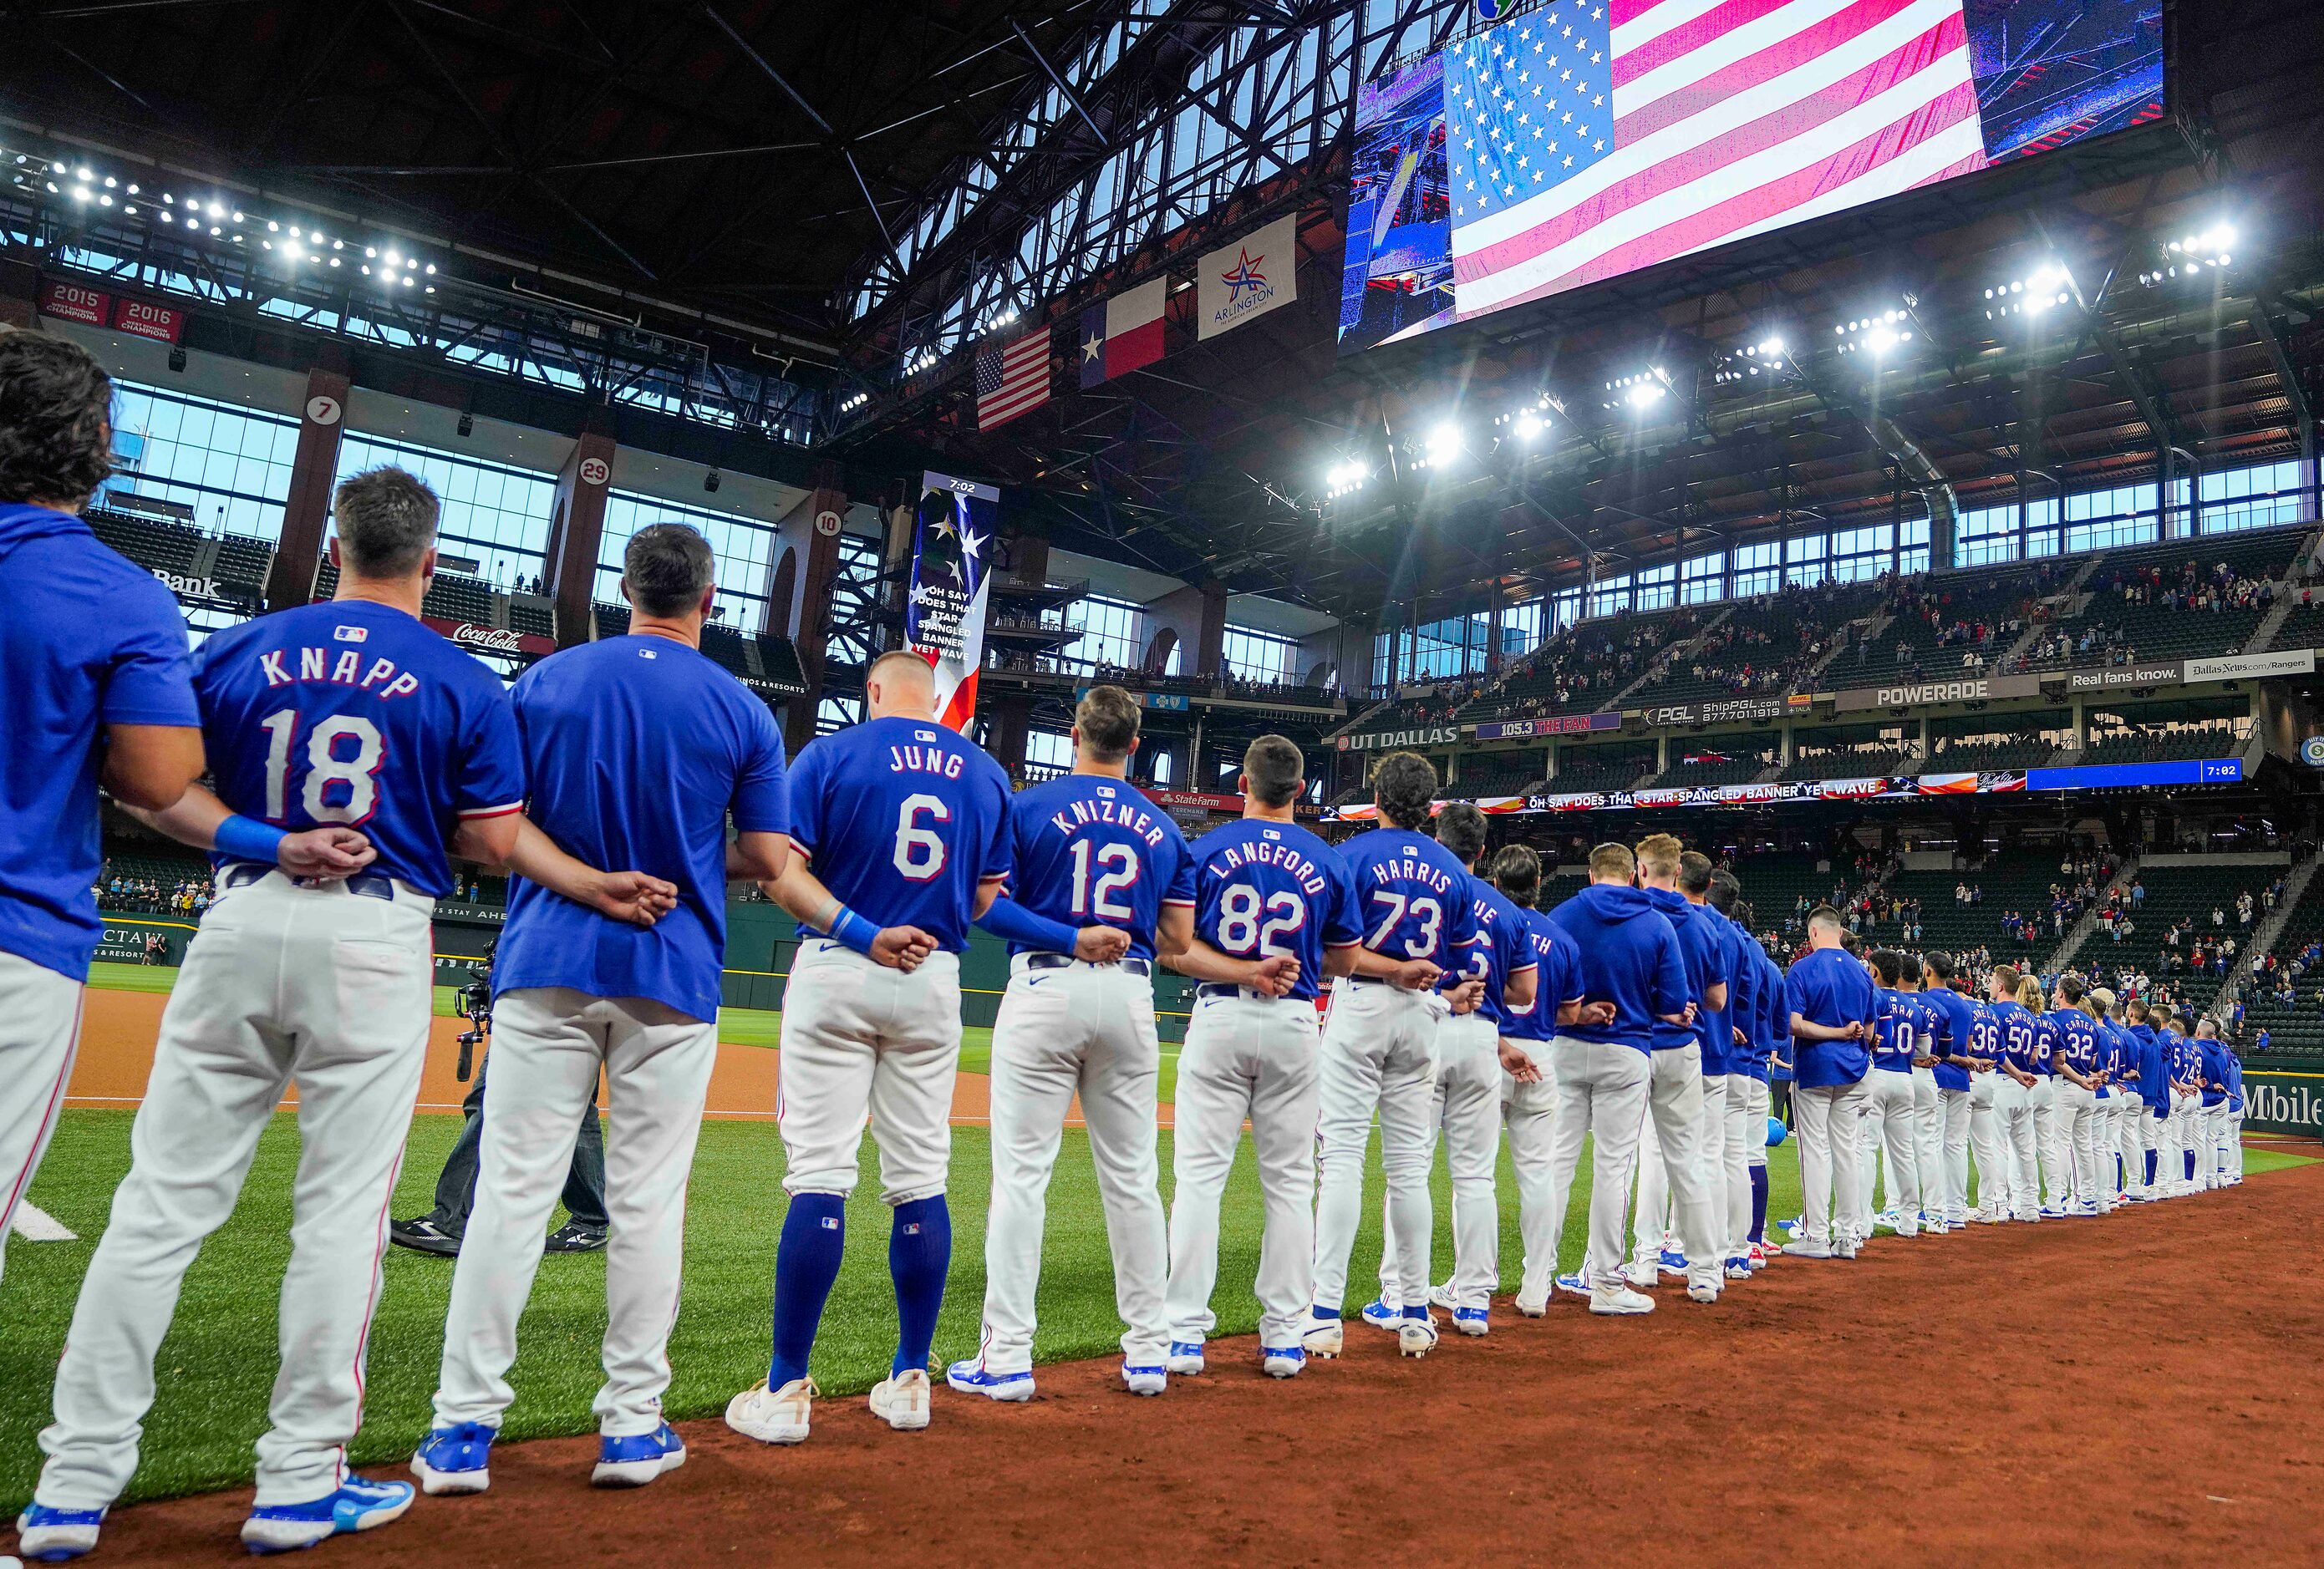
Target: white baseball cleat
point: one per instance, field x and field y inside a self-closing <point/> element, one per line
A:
<point x="902" y="1401"/>
<point x="773" y="1416"/>
<point x="1416" y="1337"/>
<point x="1324" y="1340"/>
<point x="1186" y="1358"/>
<point x="1532" y="1308"/>
<point x="1618" y="1299"/>
<point x="1441" y="1296"/>
<point x="1281" y="1361"/>
<point x="1145" y="1379"/>
<point x="1703" y="1292"/>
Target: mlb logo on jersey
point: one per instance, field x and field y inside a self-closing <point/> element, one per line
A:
<point x="1271" y="833"/>
<point x="350" y="633"/>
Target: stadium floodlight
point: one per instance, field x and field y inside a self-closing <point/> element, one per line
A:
<point x="1880" y="334"/>
<point x="2045" y="288"/>
<point x="1528" y="425"/>
<point x="1345" y="478"/>
<point x="2191" y="255"/>
<point x="1637" y="393"/>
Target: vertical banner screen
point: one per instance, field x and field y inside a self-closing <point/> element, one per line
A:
<point x="943" y="617"/>
<point x="1585" y="139"/>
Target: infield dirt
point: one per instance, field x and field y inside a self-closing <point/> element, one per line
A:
<point x="2141" y="1389"/>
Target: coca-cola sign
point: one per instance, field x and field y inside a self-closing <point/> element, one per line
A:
<point x="483" y="640"/>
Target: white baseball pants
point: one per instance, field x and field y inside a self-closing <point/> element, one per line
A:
<point x="1255" y="1057"/>
<point x="1379" y="1054"/>
<point x="2179" y="1143"/>
<point x="1467" y="1104"/>
<point x="1756" y="1136"/>
<point x="859" y="1040"/>
<point x="2014" y="1105"/>
<point x="549" y="1044"/>
<point x="1829" y="1118"/>
<point x="1602" y="1093"/>
<point x="2076" y="1112"/>
<point x="319" y="985"/>
<point x="1988" y="1143"/>
<point x="2214" y="1163"/>
<point x="1731" y="1184"/>
<point x="1529" y="1112"/>
<point x="1087" y="1030"/>
<point x="1955" y="1110"/>
<point x="1674" y="1171"/>
<point x="2049" y="1150"/>
<point x="1891" y="1128"/>
<point x="2236" y="1145"/>
<point x="1929" y="1140"/>
<point x="40" y="1031"/>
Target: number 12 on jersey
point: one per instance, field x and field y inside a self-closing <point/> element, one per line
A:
<point x="1116" y="870"/>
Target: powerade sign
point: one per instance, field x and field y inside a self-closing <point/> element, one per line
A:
<point x="1571" y="724"/>
<point x="1928" y="693"/>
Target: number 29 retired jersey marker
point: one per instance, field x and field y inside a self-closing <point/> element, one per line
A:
<point x="357" y="713"/>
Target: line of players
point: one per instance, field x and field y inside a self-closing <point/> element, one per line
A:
<point x="352" y="749"/>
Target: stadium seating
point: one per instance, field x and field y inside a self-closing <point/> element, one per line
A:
<point x="1581" y="669"/>
<point x="1739" y="767"/>
<point x="1775" y="881"/>
<point x="2303" y="627"/>
<point x="1615" y="767"/>
<point x="613" y="621"/>
<point x="1762" y="649"/>
<point x="2176" y="893"/>
<point x="154" y="543"/>
<point x="242" y="564"/>
<point x="1935" y="621"/>
<point x="1848" y="763"/>
<point x="531" y="618"/>
<point x="1503" y="774"/>
<point x="454" y="598"/>
<point x="2019" y="880"/>
<point x="2300" y="1027"/>
<point x="1988" y="753"/>
<point x="2155" y="744"/>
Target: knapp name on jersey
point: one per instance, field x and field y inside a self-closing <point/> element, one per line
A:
<point x="1268" y="851"/>
<point x="347" y="670"/>
<point x="1131" y="816"/>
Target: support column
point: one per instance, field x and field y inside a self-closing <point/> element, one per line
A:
<point x="577" y="531"/>
<point x="1662" y="754"/>
<point x="1786" y="759"/>
<point x="1012" y="717"/>
<point x="306" y="512"/>
<point x="1924" y="740"/>
<point x="1493" y="633"/>
<point x="2082" y="727"/>
<point x="1549" y="761"/>
<point x="1210" y="664"/>
<point x="812" y="528"/>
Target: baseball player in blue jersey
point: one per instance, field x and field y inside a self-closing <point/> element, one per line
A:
<point x="1529" y="1092"/>
<point x="2077" y="1068"/>
<point x="2235" y="1152"/>
<point x="318" y="721"/>
<point x="2108" y="1119"/>
<point x="1833" y="1017"/>
<point x="1674" y="1194"/>
<point x="2154" y="1099"/>
<point x="1275" y="914"/>
<point x="1888" y="1123"/>
<point x="1631" y="959"/>
<point x="2014" y="995"/>
<point x="640" y="749"/>
<point x="909" y="821"/>
<point x="1726" y="1170"/>
<point x="1739" y="1135"/>
<point x="1952" y="1018"/>
<point x="97" y="685"/>
<point x="2179" y="1136"/>
<point x="2212" y="1056"/>
<point x="1379" y="1051"/>
<point x="1089" y="850"/>
<point x="1499" y="963"/>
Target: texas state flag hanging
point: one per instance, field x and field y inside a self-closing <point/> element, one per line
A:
<point x="1122" y="334"/>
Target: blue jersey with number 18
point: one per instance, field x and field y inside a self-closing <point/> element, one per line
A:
<point x="902" y="819"/>
<point x="1264" y="888"/>
<point x="1413" y="895"/>
<point x="1093" y="851"/>
<point x="356" y="713"/>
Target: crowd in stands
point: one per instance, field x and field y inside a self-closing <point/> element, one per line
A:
<point x="145" y="896"/>
<point x="1745" y="659"/>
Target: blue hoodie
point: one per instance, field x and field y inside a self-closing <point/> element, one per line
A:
<point x="2214" y="1072"/>
<point x="1702" y="953"/>
<point x="2236" y="1082"/>
<point x="1630" y="957"/>
<point x="1830" y="986"/>
<point x="1771" y="1032"/>
<point x="1742" y="1001"/>
<point x="87" y="639"/>
<point x="2153" y="1073"/>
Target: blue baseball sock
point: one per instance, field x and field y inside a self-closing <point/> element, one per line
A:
<point x="1759" y="1204"/>
<point x="806" y="1261"/>
<point x="2152" y="1157"/>
<point x="919" y="1254"/>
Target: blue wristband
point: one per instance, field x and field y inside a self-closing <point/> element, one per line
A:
<point x="853" y="930"/>
<point x="245" y="839"/>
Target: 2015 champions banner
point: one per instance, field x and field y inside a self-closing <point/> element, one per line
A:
<point x="943" y="617"/>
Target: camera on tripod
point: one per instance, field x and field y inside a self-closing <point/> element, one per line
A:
<point x="476" y="1005"/>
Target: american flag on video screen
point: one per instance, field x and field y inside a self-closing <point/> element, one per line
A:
<point x="1591" y="137"/>
<point x="1012" y="380"/>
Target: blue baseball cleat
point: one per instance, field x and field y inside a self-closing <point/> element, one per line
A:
<point x="48" y="1536"/>
<point x="1795" y="1227"/>
<point x="358" y="1506"/>
<point x="1672" y="1261"/>
<point x="1186" y="1358"/>
<point x="1575" y="1282"/>
<point x="1145" y="1379"/>
<point x="636" y="1459"/>
<point x="1738" y="1268"/>
<point x="455" y="1460"/>
<point x="970" y="1378"/>
<point x="1281" y="1361"/>
<point x="1472" y="1320"/>
<point x="1380" y="1316"/>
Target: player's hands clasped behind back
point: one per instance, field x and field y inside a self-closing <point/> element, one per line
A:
<point x="632" y="897"/>
<point x="1416" y="974"/>
<point x="325" y="852"/>
<point x="1275" y="973"/>
<point x="1100" y="944"/>
<point x="903" y="948"/>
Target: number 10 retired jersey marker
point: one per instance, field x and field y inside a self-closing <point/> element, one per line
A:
<point x="356" y="713"/>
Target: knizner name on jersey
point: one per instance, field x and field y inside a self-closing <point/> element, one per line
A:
<point x="316" y="665"/>
<point x="1411" y="869"/>
<point x="1110" y="808"/>
<point x="1267" y="853"/>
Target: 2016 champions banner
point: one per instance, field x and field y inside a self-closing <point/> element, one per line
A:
<point x="944" y="618"/>
<point x="1584" y="139"/>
